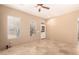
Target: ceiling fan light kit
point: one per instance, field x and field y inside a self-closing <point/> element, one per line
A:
<point x="39" y="9"/>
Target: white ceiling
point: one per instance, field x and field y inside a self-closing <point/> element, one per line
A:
<point x="55" y="9"/>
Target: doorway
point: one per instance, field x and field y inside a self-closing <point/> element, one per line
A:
<point x="78" y="36"/>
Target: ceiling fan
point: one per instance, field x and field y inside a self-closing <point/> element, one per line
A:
<point x="42" y="6"/>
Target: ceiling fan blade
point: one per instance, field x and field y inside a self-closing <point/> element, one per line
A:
<point x="45" y="7"/>
<point x="39" y="4"/>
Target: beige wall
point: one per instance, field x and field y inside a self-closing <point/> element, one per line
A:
<point x="2" y="32"/>
<point x="25" y="26"/>
<point x="62" y="30"/>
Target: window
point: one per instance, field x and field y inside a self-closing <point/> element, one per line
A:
<point x="13" y="27"/>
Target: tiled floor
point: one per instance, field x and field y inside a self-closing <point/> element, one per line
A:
<point x="43" y="47"/>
